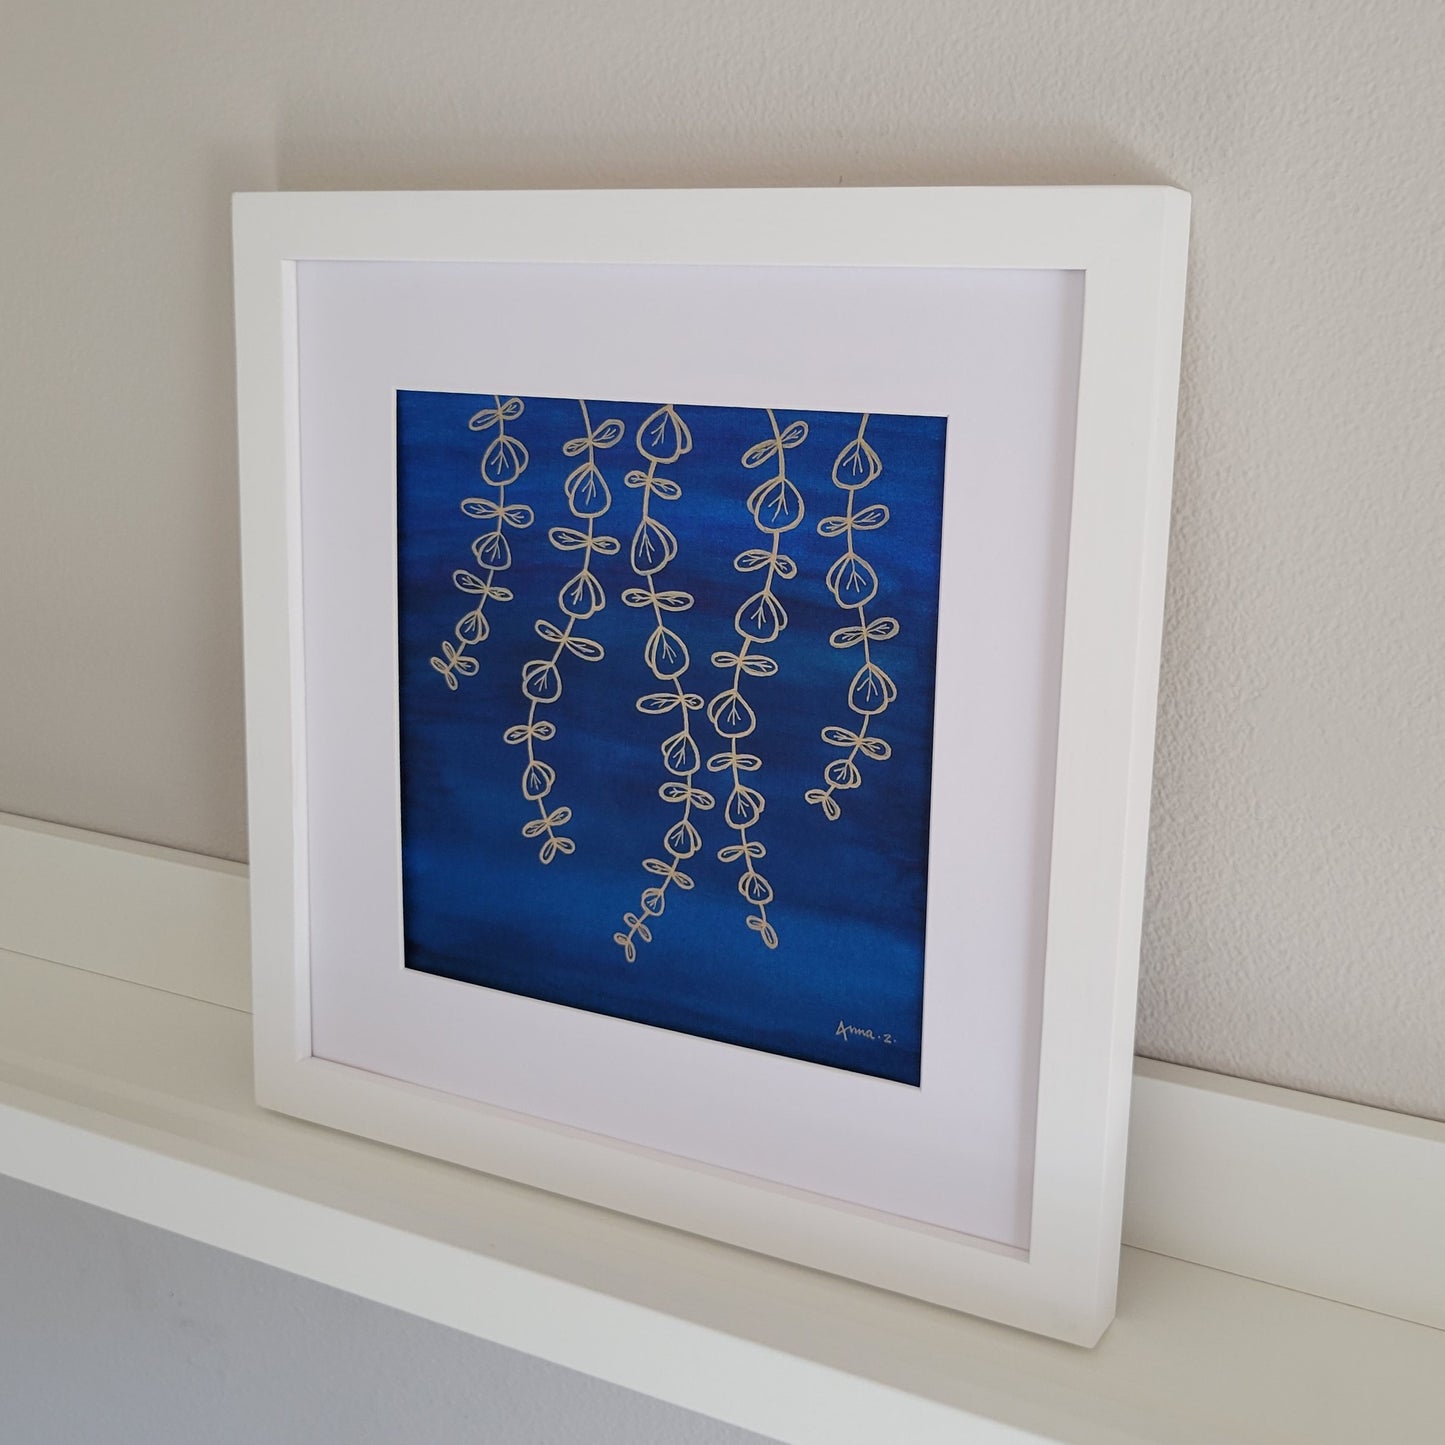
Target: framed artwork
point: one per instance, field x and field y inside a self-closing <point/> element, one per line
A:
<point x="701" y="669"/>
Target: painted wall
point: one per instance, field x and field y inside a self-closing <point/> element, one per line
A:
<point x="1294" y="929"/>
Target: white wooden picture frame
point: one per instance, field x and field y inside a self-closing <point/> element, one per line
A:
<point x="328" y="1044"/>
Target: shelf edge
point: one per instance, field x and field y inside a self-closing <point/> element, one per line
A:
<point x="1318" y="1195"/>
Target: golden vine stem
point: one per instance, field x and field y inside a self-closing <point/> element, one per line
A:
<point x="681" y="839"/>
<point x="867" y="655"/>
<point x="733" y="752"/>
<point x="674" y="858"/>
<point x="776" y="507"/>
<point x="561" y="647"/>
<point x="508" y="454"/>
<point x="857" y="466"/>
<point x="497" y="529"/>
<point x="580" y="595"/>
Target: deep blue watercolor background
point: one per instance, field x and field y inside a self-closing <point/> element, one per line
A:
<point x="849" y="910"/>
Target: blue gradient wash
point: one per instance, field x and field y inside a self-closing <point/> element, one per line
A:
<point x="850" y="895"/>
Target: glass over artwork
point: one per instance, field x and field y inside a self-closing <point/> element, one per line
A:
<point x="667" y="713"/>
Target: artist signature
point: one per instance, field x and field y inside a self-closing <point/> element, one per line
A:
<point x="852" y="1031"/>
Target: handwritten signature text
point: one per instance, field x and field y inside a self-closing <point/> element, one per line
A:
<point x="847" y="1031"/>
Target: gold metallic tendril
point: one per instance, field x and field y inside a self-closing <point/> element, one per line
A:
<point x="503" y="462"/>
<point x="776" y="506"/>
<point x="854" y="584"/>
<point x="662" y="438"/>
<point x="581" y="596"/>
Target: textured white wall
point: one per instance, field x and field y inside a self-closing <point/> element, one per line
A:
<point x="1294" y="928"/>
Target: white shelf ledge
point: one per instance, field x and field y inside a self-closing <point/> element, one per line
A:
<point x="125" y="1081"/>
<point x="139" y="1101"/>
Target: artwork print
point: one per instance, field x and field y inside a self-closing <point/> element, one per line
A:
<point x="667" y="713"/>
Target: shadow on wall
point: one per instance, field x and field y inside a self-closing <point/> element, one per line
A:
<point x="322" y="153"/>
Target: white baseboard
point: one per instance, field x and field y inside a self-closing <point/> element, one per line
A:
<point x="1316" y="1195"/>
<point x="170" y="920"/>
<point x="1319" y="1195"/>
